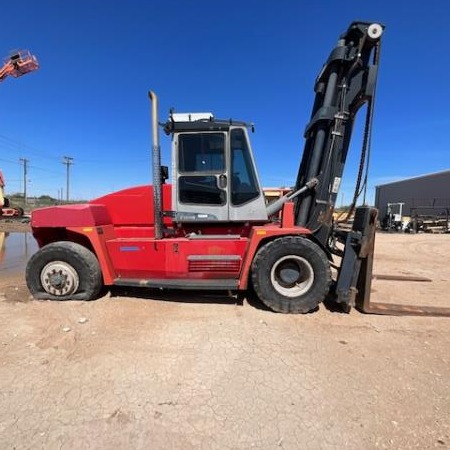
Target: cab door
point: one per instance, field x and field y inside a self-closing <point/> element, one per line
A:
<point x="215" y="177"/>
<point x="246" y="198"/>
<point x="200" y="176"/>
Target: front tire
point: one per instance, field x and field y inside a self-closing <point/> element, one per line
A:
<point x="64" y="271"/>
<point x="291" y="275"/>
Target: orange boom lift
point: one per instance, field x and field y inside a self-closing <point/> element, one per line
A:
<point x="17" y="64"/>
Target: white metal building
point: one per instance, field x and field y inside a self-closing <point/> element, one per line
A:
<point x="425" y="194"/>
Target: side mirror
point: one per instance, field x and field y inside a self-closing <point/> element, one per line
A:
<point x="164" y="174"/>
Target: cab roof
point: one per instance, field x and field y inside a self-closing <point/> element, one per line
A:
<point x="203" y="124"/>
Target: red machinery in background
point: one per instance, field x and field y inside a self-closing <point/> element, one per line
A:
<point x="5" y="209"/>
<point x="17" y="64"/>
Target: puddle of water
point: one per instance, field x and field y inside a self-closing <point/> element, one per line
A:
<point x="15" y="251"/>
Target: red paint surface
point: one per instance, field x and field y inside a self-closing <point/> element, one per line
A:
<point x="119" y="228"/>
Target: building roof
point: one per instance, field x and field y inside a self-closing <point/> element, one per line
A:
<point x="428" y="175"/>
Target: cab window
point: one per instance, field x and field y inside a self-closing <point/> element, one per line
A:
<point x="201" y="157"/>
<point x="201" y="152"/>
<point x="243" y="179"/>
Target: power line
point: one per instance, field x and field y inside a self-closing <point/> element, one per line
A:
<point x="10" y="161"/>
<point x="47" y="170"/>
<point x="31" y="167"/>
<point x="19" y="146"/>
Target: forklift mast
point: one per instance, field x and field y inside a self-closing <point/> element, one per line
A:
<point x="346" y="82"/>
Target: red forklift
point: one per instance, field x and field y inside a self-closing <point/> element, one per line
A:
<point x="211" y="228"/>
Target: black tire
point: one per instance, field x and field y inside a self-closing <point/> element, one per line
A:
<point x="291" y="275"/>
<point x="64" y="271"/>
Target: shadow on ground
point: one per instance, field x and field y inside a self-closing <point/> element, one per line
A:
<point x="212" y="297"/>
<point x="177" y="295"/>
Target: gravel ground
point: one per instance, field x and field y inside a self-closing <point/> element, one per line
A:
<point x="193" y="371"/>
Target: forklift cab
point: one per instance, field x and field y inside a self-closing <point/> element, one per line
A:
<point x="214" y="176"/>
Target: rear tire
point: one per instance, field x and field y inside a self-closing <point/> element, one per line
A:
<point x="291" y="275"/>
<point x="64" y="271"/>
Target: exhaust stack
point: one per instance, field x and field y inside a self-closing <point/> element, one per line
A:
<point x="156" y="167"/>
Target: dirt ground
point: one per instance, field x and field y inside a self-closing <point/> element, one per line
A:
<point x="190" y="371"/>
<point x="14" y="226"/>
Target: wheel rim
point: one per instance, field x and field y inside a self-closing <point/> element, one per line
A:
<point x="292" y="276"/>
<point x="59" y="278"/>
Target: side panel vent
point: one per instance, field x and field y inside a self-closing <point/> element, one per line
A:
<point x="214" y="263"/>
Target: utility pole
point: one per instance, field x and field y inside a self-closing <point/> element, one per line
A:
<point x="68" y="161"/>
<point x="25" y="162"/>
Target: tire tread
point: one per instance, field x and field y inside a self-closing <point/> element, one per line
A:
<point x="91" y="280"/>
<point x="267" y="256"/>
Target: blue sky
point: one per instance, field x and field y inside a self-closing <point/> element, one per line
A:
<point x="251" y="60"/>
